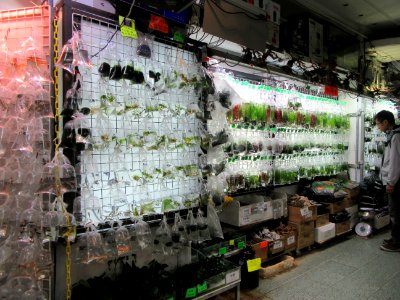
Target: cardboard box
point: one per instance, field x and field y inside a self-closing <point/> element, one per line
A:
<point x="301" y="215"/>
<point x="260" y="248"/>
<point x="352" y="192"/>
<point x="325" y="233"/>
<point x="350" y="201"/>
<point x="305" y="233"/>
<point x="321" y="220"/>
<point x="276" y="246"/>
<point x="342" y="227"/>
<point x="289" y="241"/>
<point x="336" y="207"/>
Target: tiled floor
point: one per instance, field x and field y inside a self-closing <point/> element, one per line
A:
<point x="348" y="268"/>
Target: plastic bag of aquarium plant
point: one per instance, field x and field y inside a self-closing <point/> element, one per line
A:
<point x="213" y="222"/>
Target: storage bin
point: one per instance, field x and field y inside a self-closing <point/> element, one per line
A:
<point x="255" y="209"/>
<point x="324" y="233"/>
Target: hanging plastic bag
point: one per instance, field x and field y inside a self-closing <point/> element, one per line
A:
<point x="143" y="234"/>
<point x="66" y="59"/>
<point x="202" y="225"/>
<point x="162" y="238"/>
<point x="81" y="55"/>
<point x="116" y="72"/>
<point x="179" y="233"/>
<point x="144" y="45"/>
<point x="192" y="227"/>
<point x="128" y="70"/>
<point x="73" y="98"/>
<point x="214" y="224"/>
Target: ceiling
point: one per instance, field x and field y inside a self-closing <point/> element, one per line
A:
<point x="378" y="22"/>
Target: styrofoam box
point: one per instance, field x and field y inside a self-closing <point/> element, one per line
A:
<point x="324" y="233"/>
<point x="258" y="208"/>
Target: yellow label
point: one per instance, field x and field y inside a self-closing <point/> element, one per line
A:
<point x="254" y="264"/>
<point x="231" y="243"/>
<point x="127" y="27"/>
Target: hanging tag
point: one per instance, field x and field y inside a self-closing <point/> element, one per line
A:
<point x="202" y="287"/>
<point x="231" y="242"/>
<point x="127" y="27"/>
<point x="331" y="90"/>
<point x="254" y="265"/>
<point x="159" y="24"/>
<point x="222" y="251"/>
<point x="191" y="293"/>
<point x="179" y="37"/>
<point x="240" y="245"/>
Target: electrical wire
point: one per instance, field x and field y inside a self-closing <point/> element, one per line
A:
<point x="236" y="12"/>
<point x="116" y="30"/>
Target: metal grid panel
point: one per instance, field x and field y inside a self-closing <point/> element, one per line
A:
<point x="123" y="177"/>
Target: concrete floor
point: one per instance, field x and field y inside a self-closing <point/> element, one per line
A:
<point x="347" y="268"/>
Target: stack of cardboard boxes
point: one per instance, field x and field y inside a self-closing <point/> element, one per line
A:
<point x="351" y="204"/>
<point x="302" y="218"/>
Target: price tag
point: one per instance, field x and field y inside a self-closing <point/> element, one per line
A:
<point x="254" y="264"/>
<point x="304" y="211"/>
<point x="201" y="287"/>
<point x="278" y="244"/>
<point x="241" y="245"/>
<point x="232" y="276"/>
<point x="231" y="242"/>
<point x="291" y="240"/>
<point x="179" y="37"/>
<point x="159" y="24"/>
<point x="331" y="90"/>
<point x="127" y="27"/>
<point x="222" y="250"/>
<point x="191" y="293"/>
<point x="263" y="244"/>
<point x="246" y="216"/>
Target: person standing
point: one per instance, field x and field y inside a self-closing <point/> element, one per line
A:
<point x="390" y="174"/>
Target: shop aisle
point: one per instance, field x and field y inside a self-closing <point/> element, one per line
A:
<point x="349" y="268"/>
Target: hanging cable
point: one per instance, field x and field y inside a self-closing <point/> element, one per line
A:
<point x="116" y="30"/>
<point x="235" y="12"/>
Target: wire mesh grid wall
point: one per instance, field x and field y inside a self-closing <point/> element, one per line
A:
<point x="145" y="136"/>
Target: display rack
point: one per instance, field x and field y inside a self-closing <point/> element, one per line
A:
<point x="373" y="139"/>
<point x="126" y="176"/>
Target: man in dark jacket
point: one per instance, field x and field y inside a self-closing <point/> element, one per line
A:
<point x="390" y="174"/>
